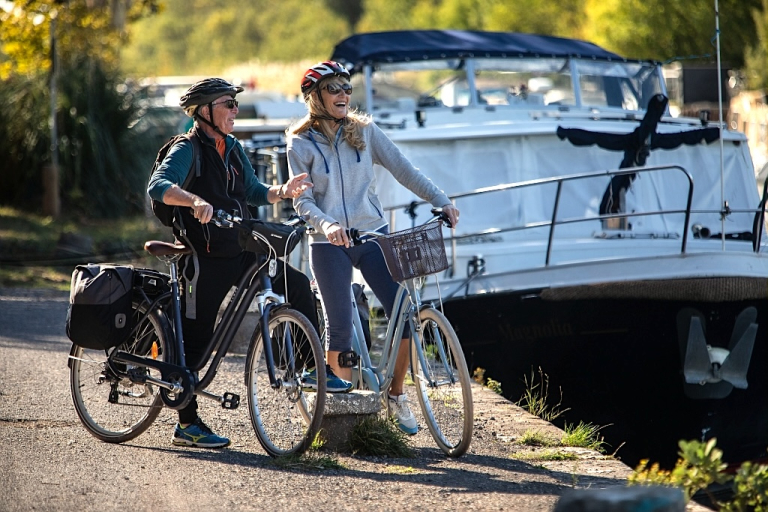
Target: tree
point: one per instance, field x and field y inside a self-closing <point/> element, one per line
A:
<point x="99" y="159"/>
<point x="351" y="10"/>
<point x="670" y="29"/>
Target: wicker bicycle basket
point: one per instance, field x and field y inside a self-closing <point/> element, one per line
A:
<point x="414" y="252"/>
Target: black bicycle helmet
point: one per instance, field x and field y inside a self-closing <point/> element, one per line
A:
<point x="320" y="71"/>
<point x="206" y="91"/>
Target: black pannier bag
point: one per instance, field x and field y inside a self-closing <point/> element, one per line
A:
<point x="99" y="315"/>
<point x="281" y="237"/>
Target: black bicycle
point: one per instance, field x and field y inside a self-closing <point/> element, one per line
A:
<point x="118" y="393"/>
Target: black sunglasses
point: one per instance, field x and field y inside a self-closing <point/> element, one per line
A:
<point x="229" y="103"/>
<point x="337" y="88"/>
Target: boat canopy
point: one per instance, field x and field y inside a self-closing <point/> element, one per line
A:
<point x="410" y="45"/>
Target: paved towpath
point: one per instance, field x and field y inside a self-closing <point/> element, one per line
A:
<point x="49" y="462"/>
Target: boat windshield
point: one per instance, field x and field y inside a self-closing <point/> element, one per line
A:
<point x="515" y="82"/>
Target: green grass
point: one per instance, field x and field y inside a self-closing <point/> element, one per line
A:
<point x="584" y="435"/>
<point x="536" y="438"/>
<point x="32" y="254"/>
<point x="377" y="437"/>
<point x="536" y="398"/>
<point x="545" y="455"/>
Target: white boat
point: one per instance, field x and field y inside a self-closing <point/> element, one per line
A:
<point x="620" y="250"/>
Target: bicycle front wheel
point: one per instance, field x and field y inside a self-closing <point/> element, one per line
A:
<point x="443" y="386"/>
<point x="285" y="416"/>
<point x="110" y="406"/>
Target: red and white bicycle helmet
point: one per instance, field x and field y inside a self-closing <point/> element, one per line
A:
<point x="319" y="71"/>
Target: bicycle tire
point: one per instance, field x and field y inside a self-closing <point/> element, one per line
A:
<point x="286" y="418"/>
<point x="448" y="407"/>
<point x="110" y="406"/>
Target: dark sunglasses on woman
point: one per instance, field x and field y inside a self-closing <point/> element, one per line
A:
<point x="337" y="88"/>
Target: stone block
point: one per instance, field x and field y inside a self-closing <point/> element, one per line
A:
<point x="342" y="412"/>
<point x="623" y="499"/>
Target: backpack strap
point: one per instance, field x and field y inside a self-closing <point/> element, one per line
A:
<point x="190" y="288"/>
<point x="192" y="175"/>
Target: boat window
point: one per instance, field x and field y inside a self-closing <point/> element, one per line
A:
<point x="515" y="82"/>
<point x="626" y="85"/>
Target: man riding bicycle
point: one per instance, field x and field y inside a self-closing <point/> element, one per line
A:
<point x="227" y="182"/>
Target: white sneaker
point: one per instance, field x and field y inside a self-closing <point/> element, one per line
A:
<point x="404" y="418"/>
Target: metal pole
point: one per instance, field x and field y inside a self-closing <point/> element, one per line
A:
<point x="720" y="106"/>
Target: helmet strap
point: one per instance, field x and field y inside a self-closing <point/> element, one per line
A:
<point x="338" y="120"/>
<point x="209" y="122"/>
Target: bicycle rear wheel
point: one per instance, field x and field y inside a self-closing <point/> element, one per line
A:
<point x="285" y="417"/>
<point x="110" y="406"/>
<point x="443" y="386"/>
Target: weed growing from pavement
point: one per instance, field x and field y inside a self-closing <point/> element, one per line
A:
<point x="375" y="436"/>
<point x="308" y="461"/>
<point x="545" y="455"/>
<point x="584" y="435"/>
<point x="535" y="399"/>
<point x="479" y="376"/>
<point x="311" y="460"/>
<point x="536" y="438"/>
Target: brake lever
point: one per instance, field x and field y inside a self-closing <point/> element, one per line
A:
<point x="223" y="220"/>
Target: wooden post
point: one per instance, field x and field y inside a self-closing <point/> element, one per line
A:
<point x="51" y="204"/>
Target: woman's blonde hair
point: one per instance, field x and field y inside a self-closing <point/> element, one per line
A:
<point x="352" y="127"/>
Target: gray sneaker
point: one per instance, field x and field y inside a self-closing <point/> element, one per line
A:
<point x="401" y="413"/>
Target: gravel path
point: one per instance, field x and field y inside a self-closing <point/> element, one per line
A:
<point x="49" y="462"/>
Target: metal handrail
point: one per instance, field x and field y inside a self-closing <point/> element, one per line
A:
<point x="559" y="180"/>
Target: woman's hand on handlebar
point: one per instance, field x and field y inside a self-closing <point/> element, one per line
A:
<point x="337" y="235"/>
<point x="452" y="213"/>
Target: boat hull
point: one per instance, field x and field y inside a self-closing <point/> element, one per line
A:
<point x="618" y="359"/>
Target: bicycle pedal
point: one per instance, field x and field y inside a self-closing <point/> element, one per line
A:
<point x="230" y="401"/>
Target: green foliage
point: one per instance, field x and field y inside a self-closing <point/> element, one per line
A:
<point x="750" y="486"/>
<point x="375" y="436"/>
<point x="494" y="386"/>
<point x="196" y="37"/>
<point x="24" y="138"/>
<point x="536" y="399"/>
<point x="478" y="375"/>
<point x="584" y="435"/>
<point x="84" y="29"/>
<point x="546" y="455"/>
<point x="756" y="57"/>
<point x="29" y="247"/>
<point x="667" y="29"/>
<point x="536" y="438"/>
<point x="699" y="466"/>
<point x="102" y="164"/>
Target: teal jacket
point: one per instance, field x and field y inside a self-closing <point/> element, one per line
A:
<point x="178" y="162"/>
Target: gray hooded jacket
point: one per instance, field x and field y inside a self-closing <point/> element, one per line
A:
<point x="344" y="182"/>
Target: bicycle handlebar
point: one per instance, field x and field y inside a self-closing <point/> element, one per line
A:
<point x="226" y="220"/>
<point x="356" y="236"/>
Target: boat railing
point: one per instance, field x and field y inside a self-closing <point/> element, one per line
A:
<point x="553" y="222"/>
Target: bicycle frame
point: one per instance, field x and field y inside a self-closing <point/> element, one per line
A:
<point x="406" y="308"/>
<point x="246" y="289"/>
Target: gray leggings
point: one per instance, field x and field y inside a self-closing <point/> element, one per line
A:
<point x="332" y="268"/>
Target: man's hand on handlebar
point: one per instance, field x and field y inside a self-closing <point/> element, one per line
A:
<point x="202" y="210"/>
